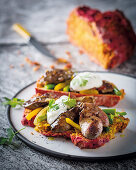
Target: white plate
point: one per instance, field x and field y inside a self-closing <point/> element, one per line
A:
<point x="118" y="147"/>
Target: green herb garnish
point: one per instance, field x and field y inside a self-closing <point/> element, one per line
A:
<point x="52" y="105"/>
<point x="55" y="106"/>
<point x="13" y="102"/>
<point x="81" y="80"/>
<point x="69" y="102"/>
<point x="51" y="102"/>
<point x="111" y="113"/>
<point x="117" y="91"/>
<point x="10" y="135"/>
<point x="84" y="82"/>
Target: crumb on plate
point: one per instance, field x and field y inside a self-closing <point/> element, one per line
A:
<point x="61" y="61"/>
<point x="32" y="62"/>
<point x="81" y="52"/>
<point x="52" y="66"/>
<point x="69" y="54"/>
<point x="11" y="66"/>
<point x="68" y="66"/>
<point x="81" y="62"/>
<point x="36" y="68"/>
<point x="21" y="65"/>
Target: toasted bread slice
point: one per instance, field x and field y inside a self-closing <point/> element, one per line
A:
<point x="119" y="124"/>
<point x="107" y="100"/>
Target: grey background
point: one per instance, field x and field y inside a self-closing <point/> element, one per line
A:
<point x="46" y="20"/>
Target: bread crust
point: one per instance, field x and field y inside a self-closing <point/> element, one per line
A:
<point x="108" y="38"/>
<point x="107" y="100"/>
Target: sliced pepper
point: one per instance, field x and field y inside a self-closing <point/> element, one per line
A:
<point x="42" y="115"/>
<point x="66" y="88"/>
<point x="90" y="91"/>
<point x="60" y="86"/>
<point x="46" y="125"/>
<point x="49" y="86"/>
<point x="33" y="113"/>
<point x="36" y="128"/>
<point x="75" y="125"/>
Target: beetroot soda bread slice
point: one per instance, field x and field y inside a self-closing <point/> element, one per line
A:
<point x="119" y="124"/>
<point x="108" y="38"/>
<point x="58" y="82"/>
<point x="79" y="119"/>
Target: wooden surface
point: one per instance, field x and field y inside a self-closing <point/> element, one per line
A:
<point x="46" y="20"/>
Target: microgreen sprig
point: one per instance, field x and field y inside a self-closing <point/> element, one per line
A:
<point x="70" y="102"/>
<point x="13" y="102"/>
<point x="52" y="105"/>
<point x="9" y="139"/>
<point x="81" y="80"/>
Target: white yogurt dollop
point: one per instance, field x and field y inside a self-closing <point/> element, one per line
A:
<point x="53" y="114"/>
<point x="85" y="81"/>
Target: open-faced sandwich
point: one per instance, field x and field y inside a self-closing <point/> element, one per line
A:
<point x="79" y="119"/>
<point x="58" y="82"/>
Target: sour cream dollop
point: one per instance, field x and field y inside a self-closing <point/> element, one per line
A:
<point x="53" y="114"/>
<point x="85" y="81"/>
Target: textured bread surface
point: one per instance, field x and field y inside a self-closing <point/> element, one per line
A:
<point x="118" y="125"/>
<point x="107" y="100"/>
<point x="108" y="38"/>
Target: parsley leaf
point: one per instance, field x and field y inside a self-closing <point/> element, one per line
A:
<point x="54" y="107"/>
<point x="81" y="80"/>
<point x="83" y="83"/>
<point x="70" y="102"/>
<point x="10" y="135"/>
<point x="3" y="140"/>
<point x="13" y="102"/>
<point x="10" y="132"/>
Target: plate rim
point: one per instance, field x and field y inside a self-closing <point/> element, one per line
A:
<point x="62" y="155"/>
